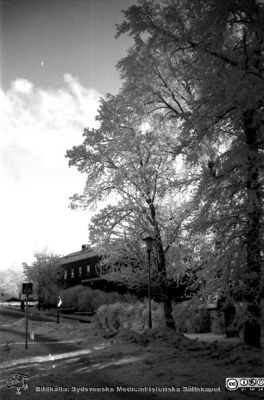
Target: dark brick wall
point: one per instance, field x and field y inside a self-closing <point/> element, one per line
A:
<point x="72" y="281"/>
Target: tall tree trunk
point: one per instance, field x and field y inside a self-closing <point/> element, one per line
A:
<point x="165" y="292"/>
<point x="166" y="296"/>
<point x="252" y="295"/>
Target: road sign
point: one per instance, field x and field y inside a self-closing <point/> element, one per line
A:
<point x="27" y="288"/>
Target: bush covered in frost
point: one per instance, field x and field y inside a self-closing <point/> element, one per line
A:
<point x="129" y="316"/>
<point x="85" y="299"/>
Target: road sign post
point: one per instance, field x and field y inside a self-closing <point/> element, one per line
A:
<point x="27" y="288"/>
<point x="26" y="342"/>
<point x="58" y="297"/>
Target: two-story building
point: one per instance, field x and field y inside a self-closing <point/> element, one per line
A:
<point x="80" y="267"/>
<point x="83" y="268"/>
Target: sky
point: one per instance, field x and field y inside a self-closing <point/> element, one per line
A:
<point x="57" y="58"/>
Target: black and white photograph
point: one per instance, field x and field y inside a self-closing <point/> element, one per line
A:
<point x="132" y="198"/>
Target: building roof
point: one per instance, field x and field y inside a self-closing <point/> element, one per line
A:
<point x="79" y="255"/>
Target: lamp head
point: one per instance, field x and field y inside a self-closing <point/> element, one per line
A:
<point x="148" y="240"/>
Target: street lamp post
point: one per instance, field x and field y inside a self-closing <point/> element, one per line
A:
<point x="148" y="240"/>
<point x="58" y="295"/>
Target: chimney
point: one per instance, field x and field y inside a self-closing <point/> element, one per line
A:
<point x="85" y="247"/>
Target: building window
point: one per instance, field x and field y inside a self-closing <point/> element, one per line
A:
<point x="80" y="271"/>
<point x="65" y="274"/>
<point x="88" y="269"/>
<point x="72" y="273"/>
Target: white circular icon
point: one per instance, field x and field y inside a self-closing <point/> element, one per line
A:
<point x="261" y="382"/>
<point x="243" y="382"/>
<point x="231" y="384"/>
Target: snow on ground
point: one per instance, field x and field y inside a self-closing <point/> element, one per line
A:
<point x="157" y="359"/>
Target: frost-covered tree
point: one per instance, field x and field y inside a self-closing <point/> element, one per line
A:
<point x="200" y="64"/>
<point x="11" y="282"/>
<point x="128" y="161"/>
<point x="42" y="272"/>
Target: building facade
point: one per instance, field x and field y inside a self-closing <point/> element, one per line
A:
<point x="80" y="267"/>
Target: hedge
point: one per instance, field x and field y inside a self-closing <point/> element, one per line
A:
<point x="83" y="298"/>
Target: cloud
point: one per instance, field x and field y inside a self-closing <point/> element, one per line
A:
<point x="22" y="86"/>
<point x="84" y="96"/>
<point x="37" y="127"/>
<point x="15" y="159"/>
